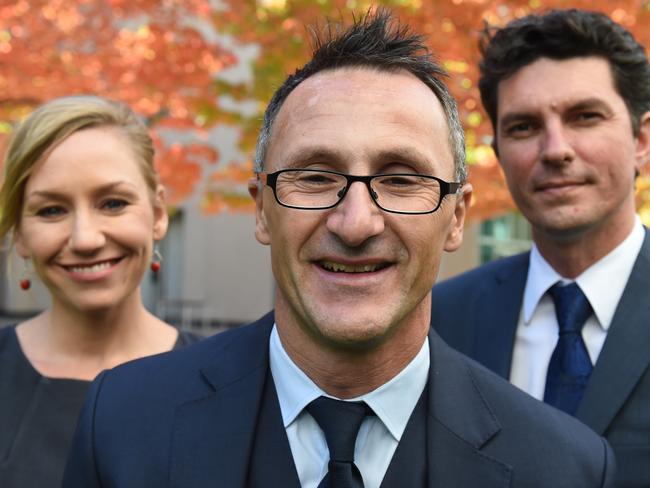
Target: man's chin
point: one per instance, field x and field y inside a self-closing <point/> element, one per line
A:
<point x="563" y="229"/>
<point x="340" y="333"/>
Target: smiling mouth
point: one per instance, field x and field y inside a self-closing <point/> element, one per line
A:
<point x="558" y="185"/>
<point x="93" y="268"/>
<point x="352" y="268"/>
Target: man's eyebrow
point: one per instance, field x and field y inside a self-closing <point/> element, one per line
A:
<point x="589" y="103"/>
<point x="571" y="106"/>
<point x="320" y="154"/>
<point x="401" y="154"/>
<point x="299" y="157"/>
<point x="511" y="117"/>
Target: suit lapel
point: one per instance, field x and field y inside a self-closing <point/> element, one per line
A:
<point x="213" y="433"/>
<point x="500" y="306"/>
<point x="460" y="423"/>
<point x="625" y="354"/>
<point x="272" y="461"/>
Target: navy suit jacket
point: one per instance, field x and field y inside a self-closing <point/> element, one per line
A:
<point x="188" y="419"/>
<point x="477" y="313"/>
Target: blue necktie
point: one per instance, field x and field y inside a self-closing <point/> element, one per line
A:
<point x="570" y="365"/>
<point x="340" y="422"/>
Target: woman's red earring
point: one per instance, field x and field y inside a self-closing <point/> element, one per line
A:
<point x="156" y="259"/>
<point x="25" y="283"/>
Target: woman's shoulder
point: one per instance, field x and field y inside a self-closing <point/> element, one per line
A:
<point x="185" y="338"/>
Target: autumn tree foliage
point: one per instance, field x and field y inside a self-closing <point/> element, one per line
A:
<point x="150" y="54"/>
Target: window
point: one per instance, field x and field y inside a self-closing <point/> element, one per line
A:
<point x="504" y="236"/>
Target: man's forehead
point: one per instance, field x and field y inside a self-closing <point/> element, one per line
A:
<point x="362" y="115"/>
<point x="362" y="82"/>
<point x="565" y="63"/>
<point x="557" y="83"/>
<point x="330" y="91"/>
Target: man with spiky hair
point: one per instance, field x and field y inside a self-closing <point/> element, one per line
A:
<point x="568" y="94"/>
<point x="359" y="187"/>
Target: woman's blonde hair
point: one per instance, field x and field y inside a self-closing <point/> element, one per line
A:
<point x="48" y="126"/>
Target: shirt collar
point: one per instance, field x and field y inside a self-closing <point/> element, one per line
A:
<point x="393" y="402"/>
<point x="603" y="282"/>
<point x="541" y="276"/>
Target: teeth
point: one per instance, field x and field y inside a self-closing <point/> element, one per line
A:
<point x="346" y="268"/>
<point x="91" y="269"/>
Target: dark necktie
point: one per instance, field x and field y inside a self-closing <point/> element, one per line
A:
<point x="570" y="365"/>
<point x="340" y="422"/>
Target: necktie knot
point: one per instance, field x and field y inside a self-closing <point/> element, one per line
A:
<point x="572" y="308"/>
<point x="340" y="422"/>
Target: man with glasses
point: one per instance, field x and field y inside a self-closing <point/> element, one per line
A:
<point x="360" y="187"/>
<point x="568" y="94"/>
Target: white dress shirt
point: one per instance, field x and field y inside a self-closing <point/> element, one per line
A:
<point x="378" y="436"/>
<point x="537" y="330"/>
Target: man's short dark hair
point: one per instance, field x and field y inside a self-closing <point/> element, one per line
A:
<point x="379" y="42"/>
<point x="563" y="34"/>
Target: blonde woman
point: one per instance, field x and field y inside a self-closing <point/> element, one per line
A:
<point x="81" y="201"/>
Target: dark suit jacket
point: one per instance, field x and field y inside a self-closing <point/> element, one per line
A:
<point x="477" y="313"/>
<point x="187" y="419"/>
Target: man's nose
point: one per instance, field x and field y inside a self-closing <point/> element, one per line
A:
<point x="556" y="145"/>
<point x="357" y="218"/>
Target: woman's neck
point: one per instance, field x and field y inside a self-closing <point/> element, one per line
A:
<point x="67" y="343"/>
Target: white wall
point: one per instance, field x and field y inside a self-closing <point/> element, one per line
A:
<point x="226" y="268"/>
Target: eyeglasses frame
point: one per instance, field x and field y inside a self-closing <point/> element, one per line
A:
<point x="271" y="179"/>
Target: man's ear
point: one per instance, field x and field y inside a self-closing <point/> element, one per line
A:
<point x="455" y="234"/>
<point x="643" y="141"/>
<point x="261" y="229"/>
<point x="160" y="217"/>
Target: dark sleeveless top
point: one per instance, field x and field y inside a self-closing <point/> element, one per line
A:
<point x="38" y="416"/>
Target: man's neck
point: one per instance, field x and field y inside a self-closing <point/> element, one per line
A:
<point x="349" y="374"/>
<point x="571" y="255"/>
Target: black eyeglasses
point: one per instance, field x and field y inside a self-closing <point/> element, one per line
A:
<point x="402" y="193"/>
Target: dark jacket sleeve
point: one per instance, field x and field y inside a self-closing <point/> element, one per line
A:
<point x="81" y="469"/>
<point x="609" y="470"/>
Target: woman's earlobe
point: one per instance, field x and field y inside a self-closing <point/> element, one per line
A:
<point x="19" y="245"/>
<point x="161" y="218"/>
